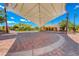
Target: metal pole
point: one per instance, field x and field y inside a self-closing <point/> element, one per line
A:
<point x="6" y="19"/>
<point x="39" y="16"/>
<point x="74" y="23"/>
<point x="67" y="14"/>
<point x="67" y="22"/>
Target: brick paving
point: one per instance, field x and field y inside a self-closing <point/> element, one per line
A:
<point x="28" y="41"/>
<point x="6" y="42"/>
<point x="69" y="48"/>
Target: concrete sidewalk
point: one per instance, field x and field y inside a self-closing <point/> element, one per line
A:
<point x="5" y="46"/>
<point x="74" y="37"/>
<point x="6" y="41"/>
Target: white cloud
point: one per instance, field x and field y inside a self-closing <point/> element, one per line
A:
<point x="23" y="20"/>
<point x="12" y="18"/>
<point x="11" y="22"/>
<point x="1" y="6"/>
<point x="77" y="6"/>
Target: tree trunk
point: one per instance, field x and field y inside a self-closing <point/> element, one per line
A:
<point x="6" y="20"/>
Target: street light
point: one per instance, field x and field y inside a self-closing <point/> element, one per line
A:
<point x="67" y="14"/>
<point x="74" y="22"/>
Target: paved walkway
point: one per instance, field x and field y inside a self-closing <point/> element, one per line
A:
<point x="41" y="50"/>
<point x="69" y="48"/>
<point x="6" y="41"/>
<point x="74" y="37"/>
<point x="33" y="40"/>
<point x="38" y="43"/>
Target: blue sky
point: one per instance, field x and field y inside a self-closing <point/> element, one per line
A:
<point x="15" y="19"/>
<point x="70" y="7"/>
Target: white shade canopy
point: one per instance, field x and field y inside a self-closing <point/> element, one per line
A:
<point x="39" y="13"/>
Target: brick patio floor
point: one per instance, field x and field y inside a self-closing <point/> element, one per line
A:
<point x="35" y="40"/>
<point x="69" y="48"/>
<point x="28" y="41"/>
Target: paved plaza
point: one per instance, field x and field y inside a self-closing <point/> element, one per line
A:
<point x="38" y="43"/>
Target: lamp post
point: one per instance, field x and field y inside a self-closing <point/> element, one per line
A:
<point x="67" y="22"/>
<point x="74" y="22"/>
<point x="67" y="14"/>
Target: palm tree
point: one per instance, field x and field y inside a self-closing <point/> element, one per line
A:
<point x="5" y="16"/>
<point x="63" y="24"/>
<point x="1" y="20"/>
<point x="71" y="26"/>
<point x="77" y="28"/>
<point x="75" y="16"/>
